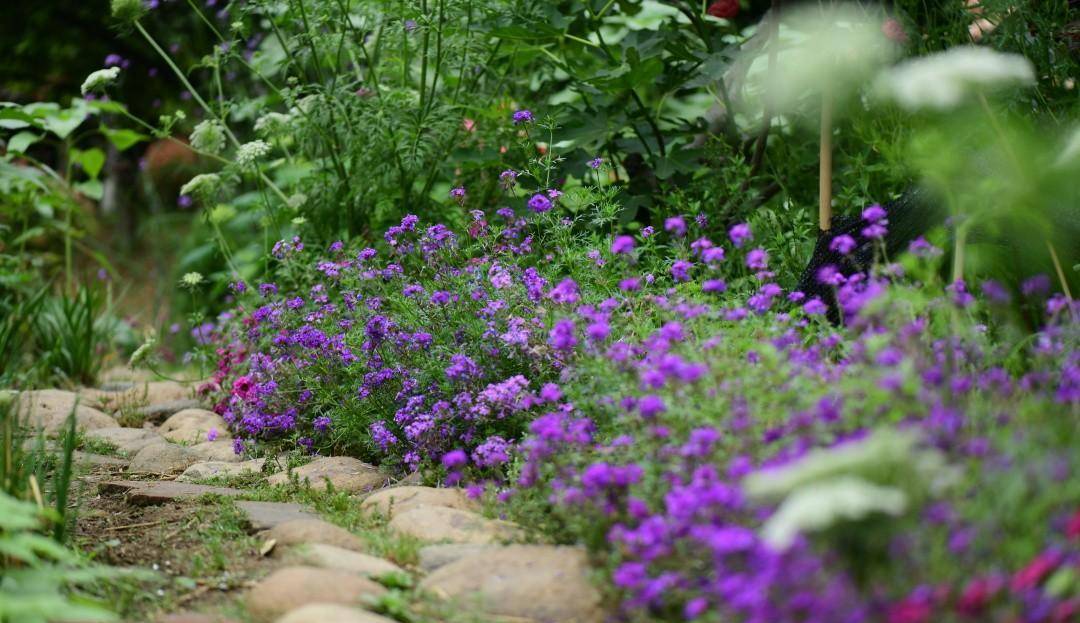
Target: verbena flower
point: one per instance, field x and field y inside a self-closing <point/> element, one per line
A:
<point x="944" y="80"/>
<point x="539" y="203"/>
<point x="522" y="116"/>
<point x="99" y="79"/>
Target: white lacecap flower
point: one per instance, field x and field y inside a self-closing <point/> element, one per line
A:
<point x="208" y="136"/>
<point x="272" y="123"/>
<point x="142" y="352"/>
<point x="885" y="449"/>
<point x="248" y="153"/>
<point x="835" y="50"/>
<point x="99" y="79"/>
<point x="819" y="506"/>
<point x="944" y="80"/>
<point x="202" y="183"/>
<point x="191" y="280"/>
<point x="297" y="201"/>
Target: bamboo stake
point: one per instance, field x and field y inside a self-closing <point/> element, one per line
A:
<point x="825" y="168"/>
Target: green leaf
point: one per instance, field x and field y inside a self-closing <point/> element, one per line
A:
<point x="92" y="189"/>
<point x="15" y="119"/>
<point x="21" y="141"/>
<point x="123" y="138"/>
<point x="63" y="122"/>
<point x="91" y="160"/>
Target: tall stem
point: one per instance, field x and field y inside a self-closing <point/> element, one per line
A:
<point x="825" y="168"/>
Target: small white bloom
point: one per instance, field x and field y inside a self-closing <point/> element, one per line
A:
<point x="272" y="123"/>
<point x="142" y="352"/>
<point x="191" y="280"/>
<point x="99" y="79"/>
<point x="250" y="152"/>
<point x="202" y="183"/>
<point x="299" y="220"/>
<point x="819" y="506"/>
<point x="942" y="81"/>
<point x="208" y="136"/>
<point x="297" y="201"/>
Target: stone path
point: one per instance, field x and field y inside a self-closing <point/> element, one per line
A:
<point x="315" y="571"/>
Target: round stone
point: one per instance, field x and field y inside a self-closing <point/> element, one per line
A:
<point x="394" y="500"/>
<point x="292" y="587"/>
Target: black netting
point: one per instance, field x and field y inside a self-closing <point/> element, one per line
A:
<point x="910" y="216"/>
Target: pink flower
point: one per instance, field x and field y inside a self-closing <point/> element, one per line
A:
<point x="1031" y="575"/>
<point x="243" y="387"/>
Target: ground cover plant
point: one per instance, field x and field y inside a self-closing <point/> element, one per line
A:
<point x="766" y="306"/>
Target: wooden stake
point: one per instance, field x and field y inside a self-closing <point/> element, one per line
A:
<point x="825" y="169"/>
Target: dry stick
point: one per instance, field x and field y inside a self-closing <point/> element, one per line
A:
<point x="1060" y="272"/>
<point x="825" y="168"/>
<point x="129" y="526"/>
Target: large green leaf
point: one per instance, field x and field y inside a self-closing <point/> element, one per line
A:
<point x="92" y="189"/>
<point x="22" y="141"/>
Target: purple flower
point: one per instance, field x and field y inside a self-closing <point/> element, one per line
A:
<point x="842" y="244"/>
<point x="522" y="116"/>
<point x="651" y="405"/>
<point x="455" y="459"/>
<point x="740" y="234"/>
<point x="680" y="270"/>
<point x="622" y="244"/>
<point x="562" y="336"/>
<point x="874" y="213"/>
<point x="596" y="162"/>
<point x="539" y="203"/>
<point x="675" y="225"/>
<point x="757" y="259"/>
<point x="713" y="285"/>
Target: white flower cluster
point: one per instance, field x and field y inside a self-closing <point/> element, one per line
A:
<point x="208" y="136"/>
<point x="191" y="280"/>
<point x="944" y="80"/>
<point x="877" y="475"/>
<point x="248" y="153"/>
<point x="99" y="79"/>
<point x="201" y="183"/>
<point x="272" y="123"/>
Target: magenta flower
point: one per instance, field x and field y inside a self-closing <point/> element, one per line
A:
<point x="676" y="226"/>
<point x="842" y="244"/>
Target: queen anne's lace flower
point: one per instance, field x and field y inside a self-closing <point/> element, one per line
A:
<point x="942" y="81"/>
<point x="250" y="152"/>
<point x="208" y="136"/>
<point x="202" y="183"/>
<point x="99" y="79"/>
<point x="272" y="123"/>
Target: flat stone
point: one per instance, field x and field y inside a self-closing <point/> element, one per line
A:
<point x="162" y="459"/>
<point x="307" y="531"/>
<point x="266" y="515"/>
<point x="127" y="440"/>
<point x="48" y="410"/>
<point x="292" y="587"/>
<point x="145" y="493"/>
<point x="438" y="523"/>
<point x="220" y="451"/>
<point x="434" y="556"/>
<point x="140" y="394"/>
<point x="159" y="411"/>
<point x="533" y="582"/>
<point x="332" y="613"/>
<point x="344" y="473"/>
<point x="220" y="469"/>
<point x="331" y="557"/>
<point x="88" y="459"/>
<point x="394" y="500"/>
<point x="193" y="425"/>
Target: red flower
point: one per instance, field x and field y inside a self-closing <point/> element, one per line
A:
<point x="724" y="9"/>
